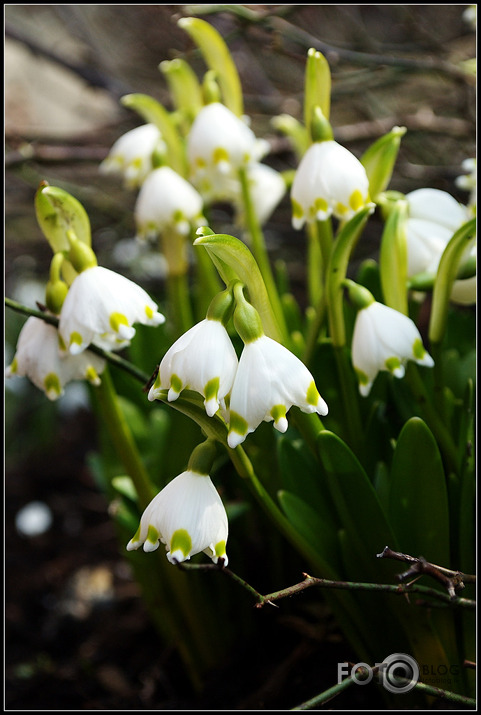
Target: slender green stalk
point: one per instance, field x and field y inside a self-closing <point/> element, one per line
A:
<point x="123" y="440"/>
<point x="326" y="695"/>
<point x="179" y="302"/>
<point x="314" y="265"/>
<point x="314" y="330"/>
<point x="260" y="253"/>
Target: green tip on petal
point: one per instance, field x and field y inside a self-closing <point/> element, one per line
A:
<point x="152" y="541"/>
<point x="182" y="542"/>
<point x="53" y="388"/>
<point x="418" y="349"/>
<point x="393" y="364"/>
<point x="238" y="427"/>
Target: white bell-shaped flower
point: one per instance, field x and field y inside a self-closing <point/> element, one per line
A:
<point x="433" y="217"/>
<point x="384" y="339"/>
<point x="204" y="360"/>
<point x="218" y="144"/>
<point x="37" y="357"/>
<point x="329" y="180"/>
<point x="269" y="381"/>
<point x="101" y="307"/>
<point x="188" y="516"/>
<point x="131" y="155"/>
<point x="167" y="201"/>
<point x="464" y="290"/>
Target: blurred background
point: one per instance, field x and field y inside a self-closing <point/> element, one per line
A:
<point x="77" y="635"/>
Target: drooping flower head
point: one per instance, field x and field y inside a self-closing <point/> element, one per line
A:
<point x="218" y="145"/>
<point x="433" y="217"/>
<point x="269" y="380"/>
<point x="167" y="201"/>
<point x="132" y="155"/>
<point x="101" y="307"/>
<point x="384" y="339"/>
<point x="37" y="357"/>
<point x="203" y="359"/>
<point x="188" y="516"/>
<point x="329" y="180"/>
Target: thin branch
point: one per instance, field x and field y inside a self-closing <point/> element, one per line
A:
<point x="332" y="53"/>
<point x="452" y="580"/>
<point x="310" y="581"/>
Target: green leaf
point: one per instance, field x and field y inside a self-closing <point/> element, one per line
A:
<point x="301" y="475"/>
<point x="184" y="87"/>
<point x="357" y="504"/>
<point x="234" y="260"/>
<point x="58" y="212"/>
<point x="154" y="113"/>
<point x="337" y="270"/>
<point x="314" y="530"/>
<point x="379" y="160"/>
<point x="393" y="259"/>
<point x="418" y="506"/>
<point x="218" y="58"/>
<point x="446" y="275"/>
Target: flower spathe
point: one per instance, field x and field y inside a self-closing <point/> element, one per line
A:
<point x="269" y="381"/>
<point x="131" y="155"/>
<point x="329" y="180"/>
<point x="188" y="516"/>
<point x="101" y="307"/>
<point x="384" y="339"/>
<point x="433" y="217"/>
<point x="202" y="359"/>
<point x="167" y="201"/>
<point x="37" y="357"/>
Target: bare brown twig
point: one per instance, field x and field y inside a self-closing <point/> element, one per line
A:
<point x="452" y="580"/>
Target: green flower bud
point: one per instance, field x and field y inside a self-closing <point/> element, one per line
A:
<point x="360" y="296"/>
<point x="321" y="129"/>
<point x="80" y="255"/>
<point x="247" y="320"/>
<point x="203" y="457"/>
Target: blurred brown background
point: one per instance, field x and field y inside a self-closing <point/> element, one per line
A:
<point x="66" y="67"/>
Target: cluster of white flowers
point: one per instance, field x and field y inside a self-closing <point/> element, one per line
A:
<point x="262" y="385"/>
<point x="218" y="145"/>
<point x="99" y="309"/>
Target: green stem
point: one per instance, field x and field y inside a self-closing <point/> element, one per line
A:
<point x="326" y="695"/>
<point x="178" y="299"/>
<point x="260" y="253"/>
<point x="123" y="440"/>
<point x="314" y="330"/>
<point x="314" y="265"/>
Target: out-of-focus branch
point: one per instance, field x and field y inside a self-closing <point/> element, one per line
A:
<point x="91" y="75"/>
